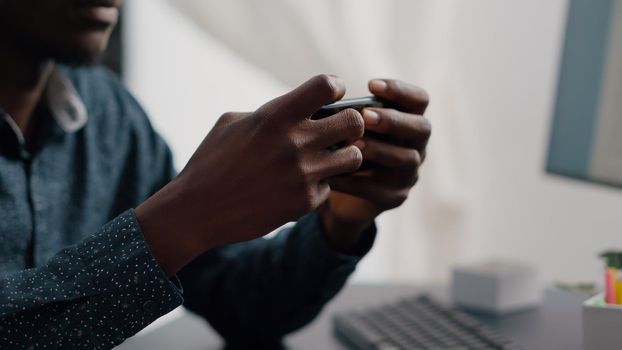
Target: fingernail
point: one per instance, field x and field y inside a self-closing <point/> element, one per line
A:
<point x="371" y="117"/>
<point x="360" y="144"/>
<point x="377" y="85"/>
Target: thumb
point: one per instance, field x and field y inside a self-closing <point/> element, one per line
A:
<point x="306" y="99"/>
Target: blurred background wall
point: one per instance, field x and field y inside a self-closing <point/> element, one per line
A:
<point x="490" y="67"/>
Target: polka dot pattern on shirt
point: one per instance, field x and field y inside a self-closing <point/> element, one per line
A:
<point x="92" y="295"/>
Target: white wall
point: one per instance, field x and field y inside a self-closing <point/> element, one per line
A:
<point x="506" y="57"/>
<point x="185" y="79"/>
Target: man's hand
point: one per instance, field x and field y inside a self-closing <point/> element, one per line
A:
<point x="252" y="173"/>
<point x="357" y="199"/>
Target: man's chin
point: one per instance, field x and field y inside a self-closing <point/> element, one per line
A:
<point x="76" y="58"/>
<point x="82" y="51"/>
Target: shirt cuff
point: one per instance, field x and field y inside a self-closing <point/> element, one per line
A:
<point x="130" y="288"/>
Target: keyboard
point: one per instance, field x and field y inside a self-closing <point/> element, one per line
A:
<point x="416" y="323"/>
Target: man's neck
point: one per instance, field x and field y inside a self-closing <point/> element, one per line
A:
<point x="22" y="85"/>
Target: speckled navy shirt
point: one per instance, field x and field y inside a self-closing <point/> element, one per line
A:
<point x="75" y="270"/>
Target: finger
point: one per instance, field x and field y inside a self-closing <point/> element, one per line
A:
<point x="366" y="188"/>
<point x="413" y="129"/>
<point x="344" y="160"/>
<point x="408" y="97"/>
<point x="343" y="126"/>
<point x="389" y="155"/>
<point x="307" y="98"/>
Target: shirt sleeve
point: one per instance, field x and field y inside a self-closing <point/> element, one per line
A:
<point x="256" y="292"/>
<point x="92" y="295"/>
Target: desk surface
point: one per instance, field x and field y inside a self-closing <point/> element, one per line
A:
<point x="556" y="324"/>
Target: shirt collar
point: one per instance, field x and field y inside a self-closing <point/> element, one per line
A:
<point x="7" y="119"/>
<point x="64" y="103"/>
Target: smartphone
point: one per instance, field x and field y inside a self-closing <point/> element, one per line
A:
<point x="357" y="103"/>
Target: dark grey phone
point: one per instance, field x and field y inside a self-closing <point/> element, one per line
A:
<point x="357" y="103"/>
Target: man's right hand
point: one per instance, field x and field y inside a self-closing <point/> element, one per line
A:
<point x="252" y="173"/>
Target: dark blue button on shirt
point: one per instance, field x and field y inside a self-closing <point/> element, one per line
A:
<point x="75" y="270"/>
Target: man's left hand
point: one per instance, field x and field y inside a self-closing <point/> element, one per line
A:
<point x="356" y="199"/>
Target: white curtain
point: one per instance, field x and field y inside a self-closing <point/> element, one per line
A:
<point x="359" y="40"/>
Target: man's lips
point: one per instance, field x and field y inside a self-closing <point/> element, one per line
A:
<point x="98" y="11"/>
<point x="104" y="15"/>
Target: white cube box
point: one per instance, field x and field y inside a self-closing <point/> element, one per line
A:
<point x="496" y="286"/>
<point x="601" y="324"/>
